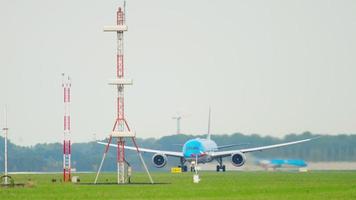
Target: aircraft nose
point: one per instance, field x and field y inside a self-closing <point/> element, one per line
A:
<point x="200" y="154"/>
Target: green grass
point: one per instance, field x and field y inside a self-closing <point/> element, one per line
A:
<point x="229" y="185"/>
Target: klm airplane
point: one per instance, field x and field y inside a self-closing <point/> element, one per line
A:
<point x="282" y="163"/>
<point x="205" y="150"/>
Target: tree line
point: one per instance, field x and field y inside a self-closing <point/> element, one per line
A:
<point x="87" y="156"/>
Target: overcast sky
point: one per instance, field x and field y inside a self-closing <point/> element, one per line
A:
<point x="272" y="67"/>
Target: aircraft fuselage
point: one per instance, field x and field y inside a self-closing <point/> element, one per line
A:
<point x="199" y="149"/>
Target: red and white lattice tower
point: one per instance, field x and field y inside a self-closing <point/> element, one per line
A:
<point x="121" y="129"/>
<point x="66" y="84"/>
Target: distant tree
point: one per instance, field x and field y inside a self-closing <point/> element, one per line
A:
<point x="87" y="156"/>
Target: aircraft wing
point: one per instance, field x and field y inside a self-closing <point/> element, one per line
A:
<point x="231" y="145"/>
<point x="247" y="150"/>
<point x="167" y="153"/>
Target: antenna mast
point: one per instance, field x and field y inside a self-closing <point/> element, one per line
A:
<point x="66" y="84"/>
<point x="121" y="129"/>
<point x="5" y="129"/>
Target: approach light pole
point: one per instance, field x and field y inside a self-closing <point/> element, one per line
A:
<point x="5" y="129"/>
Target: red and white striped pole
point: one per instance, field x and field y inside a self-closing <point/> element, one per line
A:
<point x="66" y="84"/>
<point x="121" y="129"/>
<point x="120" y="97"/>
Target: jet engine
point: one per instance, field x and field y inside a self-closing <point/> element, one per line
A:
<point x="238" y="159"/>
<point x="159" y="160"/>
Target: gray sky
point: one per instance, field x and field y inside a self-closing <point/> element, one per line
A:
<point x="271" y="67"/>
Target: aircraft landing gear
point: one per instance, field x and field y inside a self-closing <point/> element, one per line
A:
<point x="220" y="167"/>
<point x="182" y="166"/>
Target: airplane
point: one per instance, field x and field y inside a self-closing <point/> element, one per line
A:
<point x="205" y="150"/>
<point x="281" y="163"/>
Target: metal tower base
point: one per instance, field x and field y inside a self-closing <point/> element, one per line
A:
<point x="123" y="168"/>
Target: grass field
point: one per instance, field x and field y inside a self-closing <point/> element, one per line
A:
<point x="229" y="185"/>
